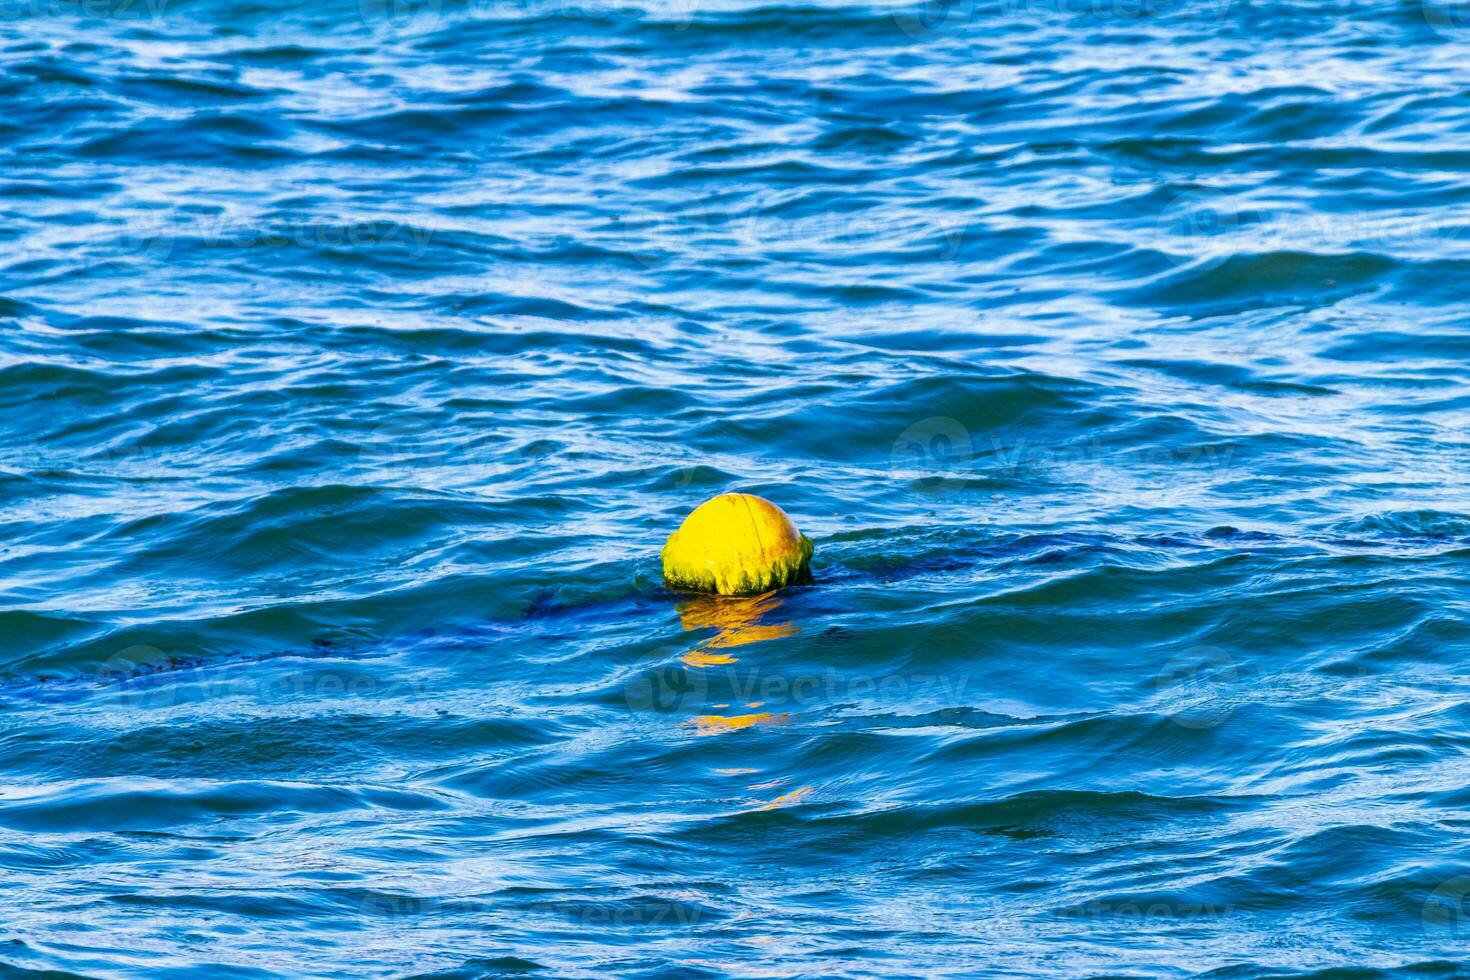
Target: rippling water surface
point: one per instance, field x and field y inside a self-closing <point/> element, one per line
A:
<point x="357" y="358"/>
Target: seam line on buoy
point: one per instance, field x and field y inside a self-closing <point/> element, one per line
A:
<point x="754" y="525"/>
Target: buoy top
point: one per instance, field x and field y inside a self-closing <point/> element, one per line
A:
<point x="736" y="544"/>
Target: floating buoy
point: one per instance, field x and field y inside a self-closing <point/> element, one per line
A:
<point x="736" y="544"/>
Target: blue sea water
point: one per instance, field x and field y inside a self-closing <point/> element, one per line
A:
<point x="357" y="358"/>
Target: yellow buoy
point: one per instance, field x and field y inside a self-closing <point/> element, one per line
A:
<point x="736" y="544"/>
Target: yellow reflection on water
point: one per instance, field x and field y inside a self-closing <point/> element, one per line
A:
<point x="699" y="657"/>
<point x="720" y="724"/>
<point x="738" y="620"/>
<point x="786" y="799"/>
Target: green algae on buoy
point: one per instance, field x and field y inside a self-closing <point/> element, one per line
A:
<point x="736" y="544"/>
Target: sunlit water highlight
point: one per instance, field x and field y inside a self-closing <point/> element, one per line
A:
<point x="358" y="358"/>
